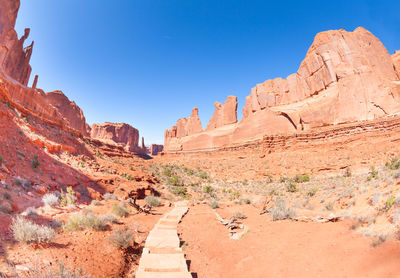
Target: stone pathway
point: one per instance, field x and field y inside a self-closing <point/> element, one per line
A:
<point x="162" y="257"/>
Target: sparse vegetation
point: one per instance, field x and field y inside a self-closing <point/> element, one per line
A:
<point x="120" y="209"/>
<point x="214" y="204"/>
<point x="28" y="232"/>
<point x="122" y="239"/>
<point x="68" y="198"/>
<point x="393" y="164"/>
<point x="312" y="191"/>
<point x="373" y="174"/>
<point x="85" y="220"/>
<point x="281" y="211"/>
<point x="50" y="200"/>
<point x="291" y="187"/>
<point x="301" y="178"/>
<point x="152" y="201"/>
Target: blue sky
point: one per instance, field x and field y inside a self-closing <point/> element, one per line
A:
<point x="149" y="62"/>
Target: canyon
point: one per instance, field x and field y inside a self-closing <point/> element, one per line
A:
<point x="305" y="184"/>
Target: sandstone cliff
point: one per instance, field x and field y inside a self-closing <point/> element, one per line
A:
<point x="52" y="108"/>
<point x="396" y="62"/>
<point x="117" y="133"/>
<point x="154" y="149"/>
<point x="345" y="77"/>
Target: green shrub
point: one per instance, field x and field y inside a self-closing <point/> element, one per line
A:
<point x="214" y="204"/>
<point x="329" y="206"/>
<point x="347" y="172"/>
<point x="1" y="159"/>
<point x="390" y="202"/>
<point x="393" y="164"/>
<point x="301" y="178"/>
<point x="152" y="201"/>
<point x="208" y="189"/>
<point x="120" y="210"/>
<point x="95" y="203"/>
<point x="291" y="187"/>
<point x="121" y="239"/>
<point x="68" y="198"/>
<point x="28" y="232"/>
<point x="174" y="181"/>
<point x="179" y="190"/>
<point x="85" y="220"/>
<point x="373" y="174"/>
<point x="280" y="211"/>
<point x="312" y="191"/>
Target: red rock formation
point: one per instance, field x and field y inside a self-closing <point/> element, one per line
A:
<point x="224" y="114"/>
<point x="69" y="110"/>
<point x="154" y="149"/>
<point x="396" y="62"/>
<point x="117" y="133"/>
<point x="52" y="108"/>
<point x="14" y="58"/>
<point x="345" y="77"/>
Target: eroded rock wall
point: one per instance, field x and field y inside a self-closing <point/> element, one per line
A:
<point x="345" y="77"/>
<point x="117" y="133"/>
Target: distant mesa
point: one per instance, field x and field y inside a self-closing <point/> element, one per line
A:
<point x="345" y="77"/>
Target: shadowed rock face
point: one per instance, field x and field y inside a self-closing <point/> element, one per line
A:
<point x="119" y="133"/>
<point x="345" y="77"/>
<point x="154" y="149"/>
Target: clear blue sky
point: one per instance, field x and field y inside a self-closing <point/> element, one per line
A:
<point x="148" y="62"/>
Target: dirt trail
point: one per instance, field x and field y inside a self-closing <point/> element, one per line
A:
<point x="283" y="248"/>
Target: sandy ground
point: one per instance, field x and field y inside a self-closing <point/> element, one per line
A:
<point x="282" y="248"/>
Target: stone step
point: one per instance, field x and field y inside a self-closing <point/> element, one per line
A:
<point x="165" y="241"/>
<point x="144" y="274"/>
<point x="163" y="263"/>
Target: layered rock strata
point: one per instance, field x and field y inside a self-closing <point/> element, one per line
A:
<point x="345" y="77"/>
<point x="117" y="133"/>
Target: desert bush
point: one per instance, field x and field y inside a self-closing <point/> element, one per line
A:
<point x="373" y="174"/>
<point x="1" y="159"/>
<point x="108" y="196"/>
<point x="301" y="178"/>
<point x="35" y="162"/>
<point x="175" y="181"/>
<point x="30" y="211"/>
<point x="50" y="199"/>
<point x="28" y="232"/>
<point x="108" y="218"/>
<point x="85" y="220"/>
<point x="312" y="191"/>
<point x="393" y="164"/>
<point x="390" y="202"/>
<point x="291" y="187"/>
<point x="121" y="238"/>
<point x="280" y="211"/>
<point x="152" y="201"/>
<point x="179" y="190"/>
<point x="245" y="201"/>
<point x="68" y="198"/>
<point x="120" y="210"/>
<point x="214" y="204"/>
<point x="208" y="189"/>
<point x="329" y="206"/>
